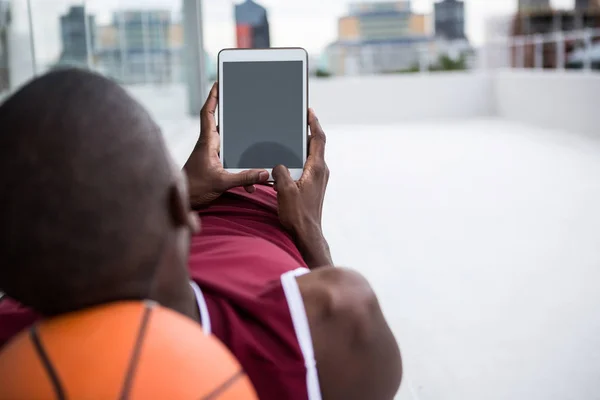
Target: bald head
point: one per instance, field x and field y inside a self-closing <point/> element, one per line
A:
<point x="85" y="189"/>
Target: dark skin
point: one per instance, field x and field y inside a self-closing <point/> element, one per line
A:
<point x="300" y="203"/>
<point x="356" y="352"/>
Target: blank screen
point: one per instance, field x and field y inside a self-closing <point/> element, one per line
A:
<point x="263" y="114"/>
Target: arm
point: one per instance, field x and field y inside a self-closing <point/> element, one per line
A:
<point x="300" y="204"/>
<point x="357" y="355"/>
<point x="314" y="248"/>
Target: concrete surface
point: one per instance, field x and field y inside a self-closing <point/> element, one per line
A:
<point x="481" y="240"/>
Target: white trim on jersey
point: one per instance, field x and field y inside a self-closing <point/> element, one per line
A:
<point x="202" y="308"/>
<point x="300" y="320"/>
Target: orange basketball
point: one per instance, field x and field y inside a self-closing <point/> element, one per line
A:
<point x="129" y="350"/>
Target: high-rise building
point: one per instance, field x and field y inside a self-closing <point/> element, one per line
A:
<point x="159" y="60"/>
<point x="534" y="5"/>
<point x="376" y="21"/>
<point x="548" y="22"/>
<point x="420" y="24"/>
<point x="4" y="23"/>
<point x="382" y="20"/>
<point x="378" y="37"/>
<point x="136" y="47"/>
<point x="252" y="26"/>
<point x="450" y="19"/>
<point x="74" y="35"/>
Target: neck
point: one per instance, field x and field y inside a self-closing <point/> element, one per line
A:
<point x="171" y="285"/>
<point x="184" y="301"/>
<point x="172" y="289"/>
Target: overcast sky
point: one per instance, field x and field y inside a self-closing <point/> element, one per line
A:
<point x="308" y="23"/>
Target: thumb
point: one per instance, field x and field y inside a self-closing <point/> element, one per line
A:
<point x="245" y="178"/>
<point x="283" y="179"/>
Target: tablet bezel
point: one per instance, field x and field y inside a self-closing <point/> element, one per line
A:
<point x="272" y="54"/>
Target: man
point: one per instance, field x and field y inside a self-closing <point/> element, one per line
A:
<point x="92" y="211"/>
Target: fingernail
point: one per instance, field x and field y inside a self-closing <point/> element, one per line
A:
<point x="263" y="176"/>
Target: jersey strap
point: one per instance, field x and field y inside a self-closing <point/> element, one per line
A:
<point x="202" y="308"/>
<point x="300" y="321"/>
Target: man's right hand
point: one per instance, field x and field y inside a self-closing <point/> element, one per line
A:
<point x="301" y="203"/>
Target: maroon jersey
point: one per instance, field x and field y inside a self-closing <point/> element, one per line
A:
<point x="243" y="267"/>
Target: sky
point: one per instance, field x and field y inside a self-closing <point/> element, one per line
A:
<point x="311" y="24"/>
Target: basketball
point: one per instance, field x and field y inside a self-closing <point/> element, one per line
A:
<point x="128" y="350"/>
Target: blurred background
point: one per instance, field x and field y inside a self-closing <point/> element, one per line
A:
<point x="463" y="140"/>
<point x="143" y="42"/>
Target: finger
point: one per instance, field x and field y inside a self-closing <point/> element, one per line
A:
<point x="283" y="179"/>
<point x="246" y="178"/>
<point x="250" y="189"/>
<point x="318" y="138"/>
<point x="207" y="114"/>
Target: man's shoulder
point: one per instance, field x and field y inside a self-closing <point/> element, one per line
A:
<point x="335" y="298"/>
<point x="328" y="286"/>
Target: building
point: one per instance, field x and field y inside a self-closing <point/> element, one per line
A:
<point x="376" y="21"/>
<point x="585" y="5"/>
<point x="582" y="4"/>
<point x="137" y="48"/>
<point x="380" y="37"/>
<point x="160" y="58"/>
<point x="74" y="31"/>
<point x="548" y="22"/>
<point x="534" y="5"/>
<point x="252" y="26"/>
<point x="450" y="19"/>
<point x="540" y="22"/>
<point x="5" y="18"/>
<point x="382" y="20"/>
<point x="419" y="24"/>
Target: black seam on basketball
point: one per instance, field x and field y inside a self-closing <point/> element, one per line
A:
<point x="215" y="393"/>
<point x="136" y="352"/>
<point x="54" y="379"/>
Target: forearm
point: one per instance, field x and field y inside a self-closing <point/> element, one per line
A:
<point x="314" y="248"/>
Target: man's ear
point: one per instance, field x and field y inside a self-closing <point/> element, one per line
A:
<point x="179" y="205"/>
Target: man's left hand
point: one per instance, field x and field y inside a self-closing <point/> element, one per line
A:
<point x="207" y="178"/>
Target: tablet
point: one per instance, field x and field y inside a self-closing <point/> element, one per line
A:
<point x="263" y="107"/>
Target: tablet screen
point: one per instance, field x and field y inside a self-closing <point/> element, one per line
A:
<point x="263" y="114"/>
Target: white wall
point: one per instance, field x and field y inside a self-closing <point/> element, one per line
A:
<point x="398" y="98"/>
<point x="559" y="100"/>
